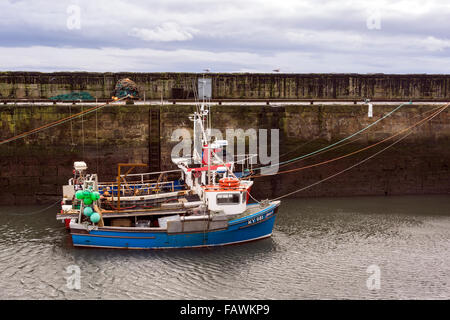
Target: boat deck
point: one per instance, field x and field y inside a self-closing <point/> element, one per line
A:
<point x="74" y="214"/>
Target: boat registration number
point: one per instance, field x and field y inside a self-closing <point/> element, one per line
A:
<point x="256" y="219"/>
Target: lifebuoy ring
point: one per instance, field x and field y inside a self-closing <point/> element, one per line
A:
<point x="229" y="183"/>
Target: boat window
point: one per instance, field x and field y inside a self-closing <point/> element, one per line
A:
<point x="228" y="198"/>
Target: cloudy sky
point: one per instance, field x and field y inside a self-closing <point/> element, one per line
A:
<point x="301" y="36"/>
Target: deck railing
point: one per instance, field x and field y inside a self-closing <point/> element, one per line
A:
<point x="137" y="188"/>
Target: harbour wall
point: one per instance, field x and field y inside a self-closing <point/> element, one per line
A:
<point x="36" y="85"/>
<point x="33" y="169"/>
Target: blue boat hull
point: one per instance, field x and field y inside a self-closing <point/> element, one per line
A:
<point x="253" y="227"/>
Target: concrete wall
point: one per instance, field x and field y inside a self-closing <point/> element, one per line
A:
<point x="33" y="169"/>
<point x="231" y="85"/>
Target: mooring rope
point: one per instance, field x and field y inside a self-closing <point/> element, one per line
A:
<point x="34" y="212"/>
<point x="259" y="202"/>
<point x="423" y="121"/>
<point x="338" y="142"/>
<point x="359" y="150"/>
<point x="96" y="137"/>
<point x="56" y="123"/>
<point x="72" y="144"/>
<point x="348" y="142"/>
<point x="82" y="130"/>
<point x="298" y="147"/>
<point x="316" y="154"/>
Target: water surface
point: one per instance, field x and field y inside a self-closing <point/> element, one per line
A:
<point x="320" y="249"/>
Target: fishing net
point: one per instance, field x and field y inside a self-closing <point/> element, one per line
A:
<point x="74" y="96"/>
<point x="126" y="87"/>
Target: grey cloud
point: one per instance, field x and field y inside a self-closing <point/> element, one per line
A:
<point x="297" y="35"/>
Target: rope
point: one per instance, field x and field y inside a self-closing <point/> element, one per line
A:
<point x="96" y="136"/>
<point x="82" y="130"/>
<point x="313" y="155"/>
<point x="56" y="123"/>
<point x="71" y="129"/>
<point x="336" y="147"/>
<point x="360" y="150"/>
<point x="426" y="112"/>
<point x="298" y="147"/>
<point x="365" y="160"/>
<point x="14" y="120"/>
<point x="34" y="212"/>
<point x="336" y="143"/>
<point x="259" y="202"/>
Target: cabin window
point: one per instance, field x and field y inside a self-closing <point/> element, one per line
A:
<point x="228" y="198"/>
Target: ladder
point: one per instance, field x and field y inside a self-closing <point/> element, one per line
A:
<point x="154" y="143"/>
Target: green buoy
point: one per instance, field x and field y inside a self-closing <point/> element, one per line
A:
<point x="95" y="196"/>
<point x="95" y="217"/>
<point x="88" y="211"/>
<point x="79" y="195"/>
<point x="86" y="194"/>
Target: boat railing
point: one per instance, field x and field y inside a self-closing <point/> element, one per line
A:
<point x="137" y="188"/>
<point x="140" y="176"/>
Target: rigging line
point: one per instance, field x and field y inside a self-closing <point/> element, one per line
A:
<point x="82" y="130"/>
<point x="338" y="146"/>
<point x="360" y="150"/>
<point x="56" y="123"/>
<point x="332" y="145"/>
<point x="96" y="135"/>
<point x="196" y="98"/>
<point x="295" y="149"/>
<point x="298" y="147"/>
<point x="14" y="121"/>
<point x="333" y="148"/>
<point x="316" y="154"/>
<point x="71" y="127"/>
<point x="47" y="127"/>
<point x="346" y="169"/>
<point x="348" y="142"/>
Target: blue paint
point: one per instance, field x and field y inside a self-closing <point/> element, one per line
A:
<point x="255" y="226"/>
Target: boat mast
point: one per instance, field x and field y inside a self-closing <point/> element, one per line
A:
<point x="202" y="124"/>
<point x="208" y="126"/>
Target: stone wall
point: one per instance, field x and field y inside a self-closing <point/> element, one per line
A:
<point x="33" y="169"/>
<point x="34" y="85"/>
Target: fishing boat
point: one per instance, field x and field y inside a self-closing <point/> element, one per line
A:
<point x="208" y="205"/>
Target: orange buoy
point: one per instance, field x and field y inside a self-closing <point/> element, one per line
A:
<point x="229" y="183"/>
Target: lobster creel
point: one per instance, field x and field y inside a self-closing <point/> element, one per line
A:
<point x="229" y="183"/>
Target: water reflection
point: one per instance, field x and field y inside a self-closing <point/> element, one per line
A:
<point x="321" y="248"/>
